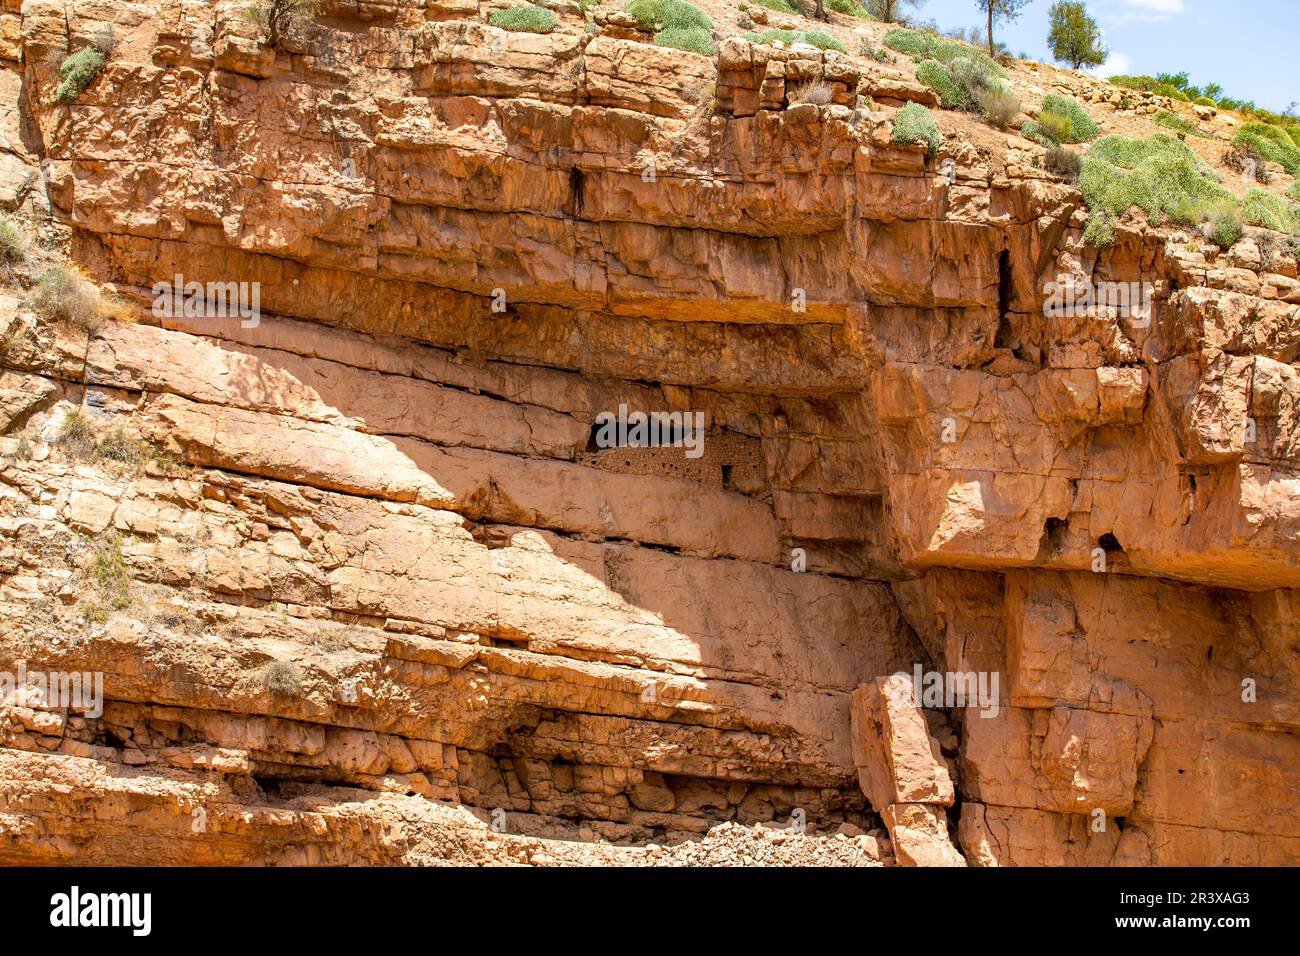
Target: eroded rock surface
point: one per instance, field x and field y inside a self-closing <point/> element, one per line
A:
<point x="372" y="594"/>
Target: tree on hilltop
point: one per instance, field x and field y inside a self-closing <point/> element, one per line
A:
<point x="1074" y="36"/>
<point x="999" y="10"/>
<point x="890" y="11"/>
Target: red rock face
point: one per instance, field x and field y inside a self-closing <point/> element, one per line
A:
<point x="363" y="586"/>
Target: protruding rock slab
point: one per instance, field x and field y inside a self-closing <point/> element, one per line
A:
<point x="897" y="759"/>
<point x="902" y="771"/>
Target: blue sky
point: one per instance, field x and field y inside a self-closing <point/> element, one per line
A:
<point x="1250" y="47"/>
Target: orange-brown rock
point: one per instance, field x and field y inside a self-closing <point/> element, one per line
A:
<point x="363" y="584"/>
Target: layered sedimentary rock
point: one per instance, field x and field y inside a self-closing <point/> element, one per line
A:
<point x="375" y="594"/>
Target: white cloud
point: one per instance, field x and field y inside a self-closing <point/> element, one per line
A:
<point x="1147" y="11"/>
<point x="1115" y="63"/>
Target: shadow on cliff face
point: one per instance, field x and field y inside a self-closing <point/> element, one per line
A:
<point x="658" y="605"/>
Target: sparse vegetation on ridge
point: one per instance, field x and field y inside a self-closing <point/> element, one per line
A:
<point x="106" y="579"/>
<point x="275" y="19"/>
<point x="822" y="41"/>
<point x="1160" y="175"/>
<point x="1271" y="142"/>
<point x="526" y="19"/>
<point x="80" y="439"/>
<point x="677" y="24"/>
<point x="924" y="45"/>
<point x="817" y="92"/>
<point x="281" y="678"/>
<point x="849" y="8"/>
<point x="63" y="294"/>
<point x="1179" y="125"/>
<point x="1263" y="209"/>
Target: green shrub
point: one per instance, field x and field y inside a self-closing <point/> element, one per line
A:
<point x="1032" y="130"/>
<point x="13" y="244"/>
<point x="529" y="19"/>
<point x="924" y="45"/>
<point x="1271" y="142"/>
<point x="1179" y="125"/>
<point x="1267" y="211"/>
<point x="1057" y="128"/>
<point x="780" y="6"/>
<point x="78" y="71"/>
<point x="1160" y="175"/>
<point x="816" y="38"/>
<point x="1204" y="101"/>
<point x="1294" y="191"/>
<point x="914" y="124"/>
<point x="691" y="39"/>
<point x="976" y="74"/>
<point x="1225" y="229"/>
<point x="677" y="24"/>
<point x="824" y="41"/>
<point x="918" y="43"/>
<point x="849" y="8"/>
<point x="1100" y="230"/>
<point x="1061" y="120"/>
<point x="973" y="83"/>
<point x="662" y="15"/>
<point x="1081" y="123"/>
<point x="952" y="95"/>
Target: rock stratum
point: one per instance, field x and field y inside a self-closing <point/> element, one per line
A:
<point x="376" y="595"/>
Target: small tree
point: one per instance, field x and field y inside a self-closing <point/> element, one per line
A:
<point x="890" y="11"/>
<point x="999" y="10"/>
<point x="276" y="18"/>
<point x="1074" y="36"/>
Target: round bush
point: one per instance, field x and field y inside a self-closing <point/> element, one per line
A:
<point x="78" y="72"/>
<point x="952" y="95"/>
<point x="915" y="124"/>
<point x="690" y="39"/>
<point x="529" y="19"/>
<point x="1082" y="127"/>
<point x="1225" y="229"/>
<point x="670" y="15"/>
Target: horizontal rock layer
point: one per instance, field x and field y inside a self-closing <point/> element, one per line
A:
<point x="364" y="588"/>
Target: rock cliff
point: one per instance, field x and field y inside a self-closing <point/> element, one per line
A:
<point x="364" y="586"/>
